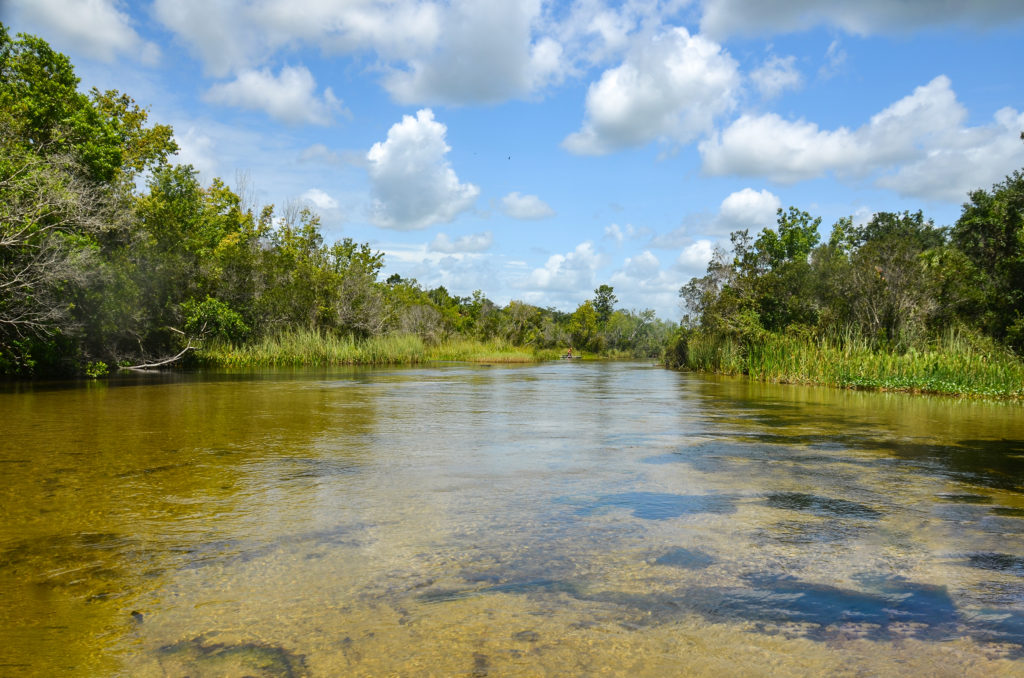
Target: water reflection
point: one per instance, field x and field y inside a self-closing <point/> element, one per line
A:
<point x="562" y="519"/>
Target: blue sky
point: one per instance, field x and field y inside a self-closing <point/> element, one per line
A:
<point x="535" y="150"/>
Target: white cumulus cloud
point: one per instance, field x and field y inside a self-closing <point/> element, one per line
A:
<point x="621" y="233"/>
<point x="525" y="207"/>
<point x="747" y="209"/>
<point x="643" y="266"/>
<point x="919" y="145"/>
<point x="236" y="35"/>
<point x="320" y="199"/>
<point x="488" y="54"/>
<point x="641" y="283"/>
<point x="289" y="97"/>
<point x="776" y="75"/>
<point x="474" y="242"/>
<point x="692" y="261"/>
<point x="670" y="87"/>
<point x="972" y="158"/>
<point x="722" y="18"/>
<point x="571" y="273"/>
<point x="197" y="149"/>
<point x="413" y="184"/>
<point x="96" y="28"/>
<point x="743" y="209"/>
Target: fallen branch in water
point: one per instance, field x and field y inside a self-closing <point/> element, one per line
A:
<point x="161" y="363"/>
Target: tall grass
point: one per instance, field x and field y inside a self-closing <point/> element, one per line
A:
<point x="317" y="349"/>
<point x="957" y="364"/>
<point x="493" y="351"/>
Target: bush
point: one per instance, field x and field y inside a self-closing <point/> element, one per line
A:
<point x="213" y="319"/>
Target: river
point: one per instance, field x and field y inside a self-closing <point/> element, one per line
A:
<point x="592" y="518"/>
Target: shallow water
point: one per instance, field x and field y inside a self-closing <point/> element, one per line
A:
<point x="560" y="519"/>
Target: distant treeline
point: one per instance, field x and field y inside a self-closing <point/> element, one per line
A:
<point x="97" y="273"/>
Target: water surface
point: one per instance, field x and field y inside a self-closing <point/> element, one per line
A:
<point x="560" y="519"/>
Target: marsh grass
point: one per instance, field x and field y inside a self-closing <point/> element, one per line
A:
<point x="494" y="351"/>
<point x="957" y="364"/>
<point x="316" y="349"/>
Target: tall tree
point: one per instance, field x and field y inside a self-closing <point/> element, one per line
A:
<point x="66" y="166"/>
<point x="604" y="303"/>
<point x="990" y="232"/>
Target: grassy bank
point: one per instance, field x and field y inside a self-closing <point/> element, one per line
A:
<point x="956" y="365"/>
<point x="310" y="348"/>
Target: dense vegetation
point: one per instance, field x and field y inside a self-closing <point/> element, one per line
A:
<point x="111" y="255"/>
<point x="895" y="303"/>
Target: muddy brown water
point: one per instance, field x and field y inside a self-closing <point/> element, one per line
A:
<point x="556" y="519"/>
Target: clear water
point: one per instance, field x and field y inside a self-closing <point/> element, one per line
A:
<point x="560" y="519"/>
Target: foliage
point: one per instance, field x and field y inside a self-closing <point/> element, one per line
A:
<point x="604" y="303"/>
<point x="96" y="369"/>
<point x="213" y="318"/>
<point x="583" y="327"/>
<point x="110" y="254"/>
<point x="990" y="233"/>
<point x="871" y="307"/>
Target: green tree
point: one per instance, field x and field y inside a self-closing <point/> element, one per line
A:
<point x="883" y="279"/>
<point x="584" y="327"/>
<point x="990" y="232"/>
<point x="604" y="303"/>
<point x="66" y="165"/>
<point x="520" y="323"/>
<point x="105" y="132"/>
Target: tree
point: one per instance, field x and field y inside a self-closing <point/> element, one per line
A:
<point x="67" y="161"/>
<point x="105" y="132"/>
<point x="520" y="323"/>
<point x="47" y="213"/>
<point x="583" y="327"/>
<point x="604" y="303"/>
<point x="990" y="232"/>
<point x="794" y="237"/>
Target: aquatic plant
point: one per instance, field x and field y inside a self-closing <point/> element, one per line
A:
<point x="959" y="363"/>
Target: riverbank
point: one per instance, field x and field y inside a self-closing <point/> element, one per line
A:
<point x="314" y="349"/>
<point x="957" y="365"/>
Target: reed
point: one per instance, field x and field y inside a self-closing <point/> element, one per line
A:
<point x="493" y="351"/>
<point x="315" y="349"/>
<point x="958" y="363"/>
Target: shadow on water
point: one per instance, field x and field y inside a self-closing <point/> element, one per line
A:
<point x="660" y="505"/>
<point x="996" y="562"/>
<point x="686" y="559"/>
<point x="804" y="532"/>
<point x="889" y="608"/>
<point x="995" y="464"/>
<point x="821" y="506"/>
